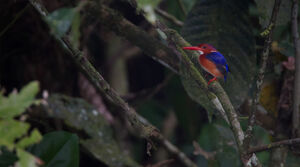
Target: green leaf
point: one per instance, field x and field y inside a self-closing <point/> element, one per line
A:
<point x="61" y="20"/>
<point x="152" y="3"/>
<point x="7" y="158"/>
<point x="214" y="138"/>
<point x="25" y="159"/>
<point x="11" y="130"/>
<point x="15" y="104"/>
<point x="225" y="132"/>
<point x="75" y="30"/>
<point x="32" y="139"/>
<point x="209" y="138"/>
<point x="80" y="115"/>
<point x="153" y="111"/>
<point x="29" y="91"/>
<point x="58" y="149"/>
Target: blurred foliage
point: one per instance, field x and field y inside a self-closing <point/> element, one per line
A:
<point x="188" y="112"/>
<point x="262" y="137"/>
<point x="62" y="20"/>
<point x="152" y="3"/>
<point x="12" y="130"/>
<point x="7" y="158"/>
<point x="58" y="149"/>
<point x="264" y="11"/>
<point x="154" y="112"/>
<point x="148" y="6"/>
<point x="80" y="115"/>
<point x="269" y="97"/>
<point x="218" y="138"/>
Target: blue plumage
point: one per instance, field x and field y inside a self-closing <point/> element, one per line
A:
<point x="219" y="60"/>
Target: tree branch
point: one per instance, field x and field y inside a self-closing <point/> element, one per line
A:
<point x="215" y="92"/>
<point x="145" y="130"/>
<point x="296" y="97"/>
<point x="181" y="5"/>
<point x="18" y="15"/>
<point x="115" y="22"/>
<point x="274" y="145"/>
<point x="199" y="151"/>
<point x="168" y="17"/>
<point x="261" y="73"/>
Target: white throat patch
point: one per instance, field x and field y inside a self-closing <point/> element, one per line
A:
<point x="200" y="52"/>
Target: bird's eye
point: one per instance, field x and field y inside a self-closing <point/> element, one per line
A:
<point x="204" y="47"/>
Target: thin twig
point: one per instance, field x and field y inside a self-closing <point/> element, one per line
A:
<point x="199" y="151"/>
<point x="296" y="98"/>
<point x="261" y="73"/>
<point x="18" y="15"/>
<point x="162" y="163"/>
<point x="273" y="145"/>
<point x="145" y="130"/>
<point x="181" y="5"/>
<point x="147" y="94"/>
<point x="168" y="17"/>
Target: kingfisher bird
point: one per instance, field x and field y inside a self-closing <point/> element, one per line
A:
<point x="211" y="61"/>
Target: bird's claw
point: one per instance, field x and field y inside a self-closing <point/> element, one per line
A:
<point x="210" y="81"/>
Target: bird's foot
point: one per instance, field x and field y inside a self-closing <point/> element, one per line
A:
<point x="210" y="81"/>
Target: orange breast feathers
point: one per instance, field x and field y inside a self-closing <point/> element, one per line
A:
<point x="209" y="66"/>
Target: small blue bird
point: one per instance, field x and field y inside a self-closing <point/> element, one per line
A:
<point x="211" y="61"/>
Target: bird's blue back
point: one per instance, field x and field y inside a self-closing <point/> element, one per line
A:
<point x="219" y="60"/>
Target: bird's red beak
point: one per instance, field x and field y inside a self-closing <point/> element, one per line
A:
<point x="192" y="48"/>
<point x="200" y="50"/>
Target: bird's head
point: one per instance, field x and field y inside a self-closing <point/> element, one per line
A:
<point x="202" y="48"/>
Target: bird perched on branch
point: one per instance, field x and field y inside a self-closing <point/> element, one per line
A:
<point x="211" y="61"/>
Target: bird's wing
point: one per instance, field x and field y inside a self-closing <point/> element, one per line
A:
<point x="219" y="60"/>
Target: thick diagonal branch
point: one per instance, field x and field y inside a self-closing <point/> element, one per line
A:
<point x="115" y="22"/>
<point x="144" y="129"/>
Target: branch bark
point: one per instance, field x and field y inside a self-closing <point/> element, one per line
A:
<point x="145" y="130"/>
<point x="296" y="96"/>
<point x="261" y="73"/>
<point x="115" y="22"/>
<point x="274" y="145"/>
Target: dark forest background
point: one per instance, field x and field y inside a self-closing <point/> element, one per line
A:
<point x="53" y="114"/>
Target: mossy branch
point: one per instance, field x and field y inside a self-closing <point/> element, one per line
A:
<point x="144" y="129"/>
<point x="115" y="22"/>
<point x="214" y="92"/>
